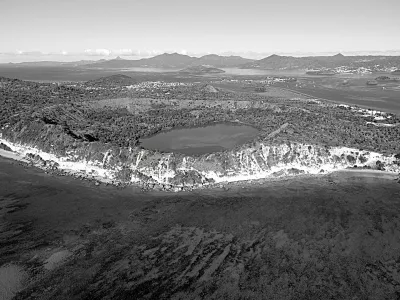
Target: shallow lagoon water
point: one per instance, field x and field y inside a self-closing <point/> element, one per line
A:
<point x="350" y="224"/>
<point x="201" y="140"/>
<point x="257" y="72"/>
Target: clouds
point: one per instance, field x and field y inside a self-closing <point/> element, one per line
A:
<point x="130" y="52"/>
<point x="97" y="52"/>
<point x="123" y="52"/>
<point x="34" y="53"/>
<point x="120" y="52"/>
<point x="20" y="55"/>
<point x="148" y="53"/>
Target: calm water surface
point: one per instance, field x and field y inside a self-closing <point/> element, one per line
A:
<point x="253" y="72"/>
<point x="201" y="140"/>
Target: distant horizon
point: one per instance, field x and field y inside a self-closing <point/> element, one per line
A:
<point x="36" y="56"/>
<point x="82" y="29"/>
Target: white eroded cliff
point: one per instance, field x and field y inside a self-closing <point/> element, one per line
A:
<point x="255" y="161"/>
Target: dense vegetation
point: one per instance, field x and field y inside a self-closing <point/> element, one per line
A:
<point x="68" y="107"/>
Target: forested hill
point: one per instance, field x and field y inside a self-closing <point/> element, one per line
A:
<point x="113" y="80"/>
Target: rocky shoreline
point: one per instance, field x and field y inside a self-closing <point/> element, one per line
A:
<point x="247" y="166"/>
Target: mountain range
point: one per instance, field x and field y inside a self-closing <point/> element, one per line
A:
<point x="273" y="62"/>
<point x="173" y="60"/>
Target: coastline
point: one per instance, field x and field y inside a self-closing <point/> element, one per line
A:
<point x="223" y="186"/>
<point x="367" y="173"/>
<point x="13" y="156"/>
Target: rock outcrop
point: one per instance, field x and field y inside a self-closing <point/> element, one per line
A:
<point x="257" y="160"/>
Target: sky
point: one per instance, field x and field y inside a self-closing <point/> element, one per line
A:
<point x="93" y="29"/>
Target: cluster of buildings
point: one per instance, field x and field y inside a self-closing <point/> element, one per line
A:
<point x="152" y="85"/>
<point x="363" y="70"/>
